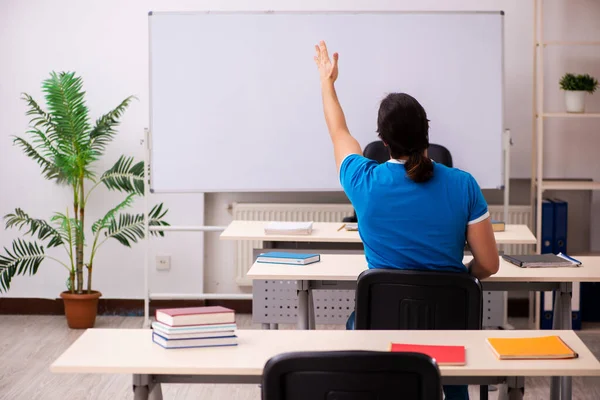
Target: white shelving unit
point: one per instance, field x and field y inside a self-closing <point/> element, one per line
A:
<point x="538" y="183"/>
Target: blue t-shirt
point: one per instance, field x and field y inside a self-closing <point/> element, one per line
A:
<point x="410" y="225"/>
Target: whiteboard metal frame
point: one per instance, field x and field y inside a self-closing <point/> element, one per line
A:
<point x="271" y="12"/>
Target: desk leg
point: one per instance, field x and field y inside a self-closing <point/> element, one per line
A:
<point x="274" y="326"/>
<point x="516" y="387"/>
<point x="145" y="389"/>
<point x="311" y="310"/>
<point x="560" y="387"/>
<point x="302" y="306"/>
<point x="266" y="326"/>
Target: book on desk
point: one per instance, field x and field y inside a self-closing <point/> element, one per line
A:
<point x="531" y="348"/>
<point x="289" y="228"/>
<point x="280" y="257"/>
<point x="443" y="355"/>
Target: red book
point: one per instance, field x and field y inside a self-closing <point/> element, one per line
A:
<point x="195" y="316"/>
<point x="443" y="355"/>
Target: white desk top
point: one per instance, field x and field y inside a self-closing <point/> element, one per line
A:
<point x="347" y="267"/>
<point x="328" y="232"/>
<point x="131" y="351"/>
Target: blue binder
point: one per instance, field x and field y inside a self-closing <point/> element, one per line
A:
<point x="560" y="226"/>
<point x="558" y="239"/>
<point x="547" y="226"/>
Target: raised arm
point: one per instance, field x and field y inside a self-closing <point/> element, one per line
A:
<point x="343" y="143"/>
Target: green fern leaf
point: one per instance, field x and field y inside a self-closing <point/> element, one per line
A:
<point x="69" y="228"/>
<point x="104" y="222"/>
<point x="24" y="258"/>
<point x="125" y="176"/>
<point x="104" y="130"/>
<point x="129" y="228"/>
<point x="36" y="227"/>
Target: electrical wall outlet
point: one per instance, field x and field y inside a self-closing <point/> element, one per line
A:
<point x="163" y="263"/>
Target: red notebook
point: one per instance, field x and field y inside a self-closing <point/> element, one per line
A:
<point x="443" y="355"/>
<point x="195" y="316"/>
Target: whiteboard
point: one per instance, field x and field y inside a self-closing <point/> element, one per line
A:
<point x="235" y="100"/>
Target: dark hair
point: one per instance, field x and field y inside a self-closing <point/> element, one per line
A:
<point x="403" y="125"/>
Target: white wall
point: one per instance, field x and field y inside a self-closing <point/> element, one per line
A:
<point x="106" y="42"/>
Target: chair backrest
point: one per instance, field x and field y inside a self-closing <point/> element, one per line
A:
<point x="440" y="154"/>
<point x="393" y="299"/>
<point x="351" y="375"/>
<point x="377" y="151"/>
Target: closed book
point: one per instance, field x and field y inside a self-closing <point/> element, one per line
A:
<point x="534" y="348"/>
<point x="189" y="343"/>
<point x="351" y="226"/>
<point x="498" y="226"/>
<point x="542" y="260"/>
<point x="443" y="355"/>
<point x="193" y="329"/>
<point x="276" y="257"/>
<point x="289" y="228"/>
<point x="195" y="316"/>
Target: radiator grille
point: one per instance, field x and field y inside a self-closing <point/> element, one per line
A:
<point x="331" y="213"/>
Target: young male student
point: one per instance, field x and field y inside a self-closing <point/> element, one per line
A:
<point x="413" y="213"/>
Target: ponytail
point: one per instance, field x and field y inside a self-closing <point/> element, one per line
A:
<point x="419" y="168"/>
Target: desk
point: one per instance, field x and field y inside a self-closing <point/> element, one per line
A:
<point x="340" y="271"/>
<point x="131" y="351"/>
<point x="327" y="232"/>
<point x="326" y="237"/>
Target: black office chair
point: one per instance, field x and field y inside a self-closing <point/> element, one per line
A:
<point x="378" y="152"/>
<point x="393" y="299"/>
<point x="440" y="154"/>
<point x="351" y="375"/>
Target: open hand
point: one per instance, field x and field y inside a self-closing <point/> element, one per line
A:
<point x="327" y="69"/>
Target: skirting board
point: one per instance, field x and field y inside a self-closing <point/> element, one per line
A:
<point x="517" y="308"/>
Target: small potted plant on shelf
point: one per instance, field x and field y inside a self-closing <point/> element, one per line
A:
<point x="65" y="144"/>
<point x="575" y="87"/>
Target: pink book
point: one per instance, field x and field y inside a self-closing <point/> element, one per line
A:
<point x="195" y="316"/>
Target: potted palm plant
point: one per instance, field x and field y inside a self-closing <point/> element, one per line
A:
<point x="575" y="87"/>
<point x="66" y="146"/>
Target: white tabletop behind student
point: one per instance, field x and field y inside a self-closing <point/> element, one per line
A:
<point x="413" y="213"/>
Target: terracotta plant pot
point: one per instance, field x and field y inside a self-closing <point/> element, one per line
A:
<point x="81" y="309"/>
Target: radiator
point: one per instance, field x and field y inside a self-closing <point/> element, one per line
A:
<point x="331" y="213"/>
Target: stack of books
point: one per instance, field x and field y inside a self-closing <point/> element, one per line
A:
<point x="178" y="328"/>
<point x="289" y="228"/>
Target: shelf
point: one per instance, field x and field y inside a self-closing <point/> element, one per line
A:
<point x="570" y="185"/>
<point x="570" y="43"/>
<point x="571" y="115"/>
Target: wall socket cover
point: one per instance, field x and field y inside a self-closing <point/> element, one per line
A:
<point x="163" y="263"/>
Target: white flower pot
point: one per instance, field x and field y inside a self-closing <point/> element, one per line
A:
<point x="575" y="101"/>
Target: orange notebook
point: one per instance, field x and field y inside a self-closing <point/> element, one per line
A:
<point x="534" y="348"/>
<point x="443" y="355"/>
